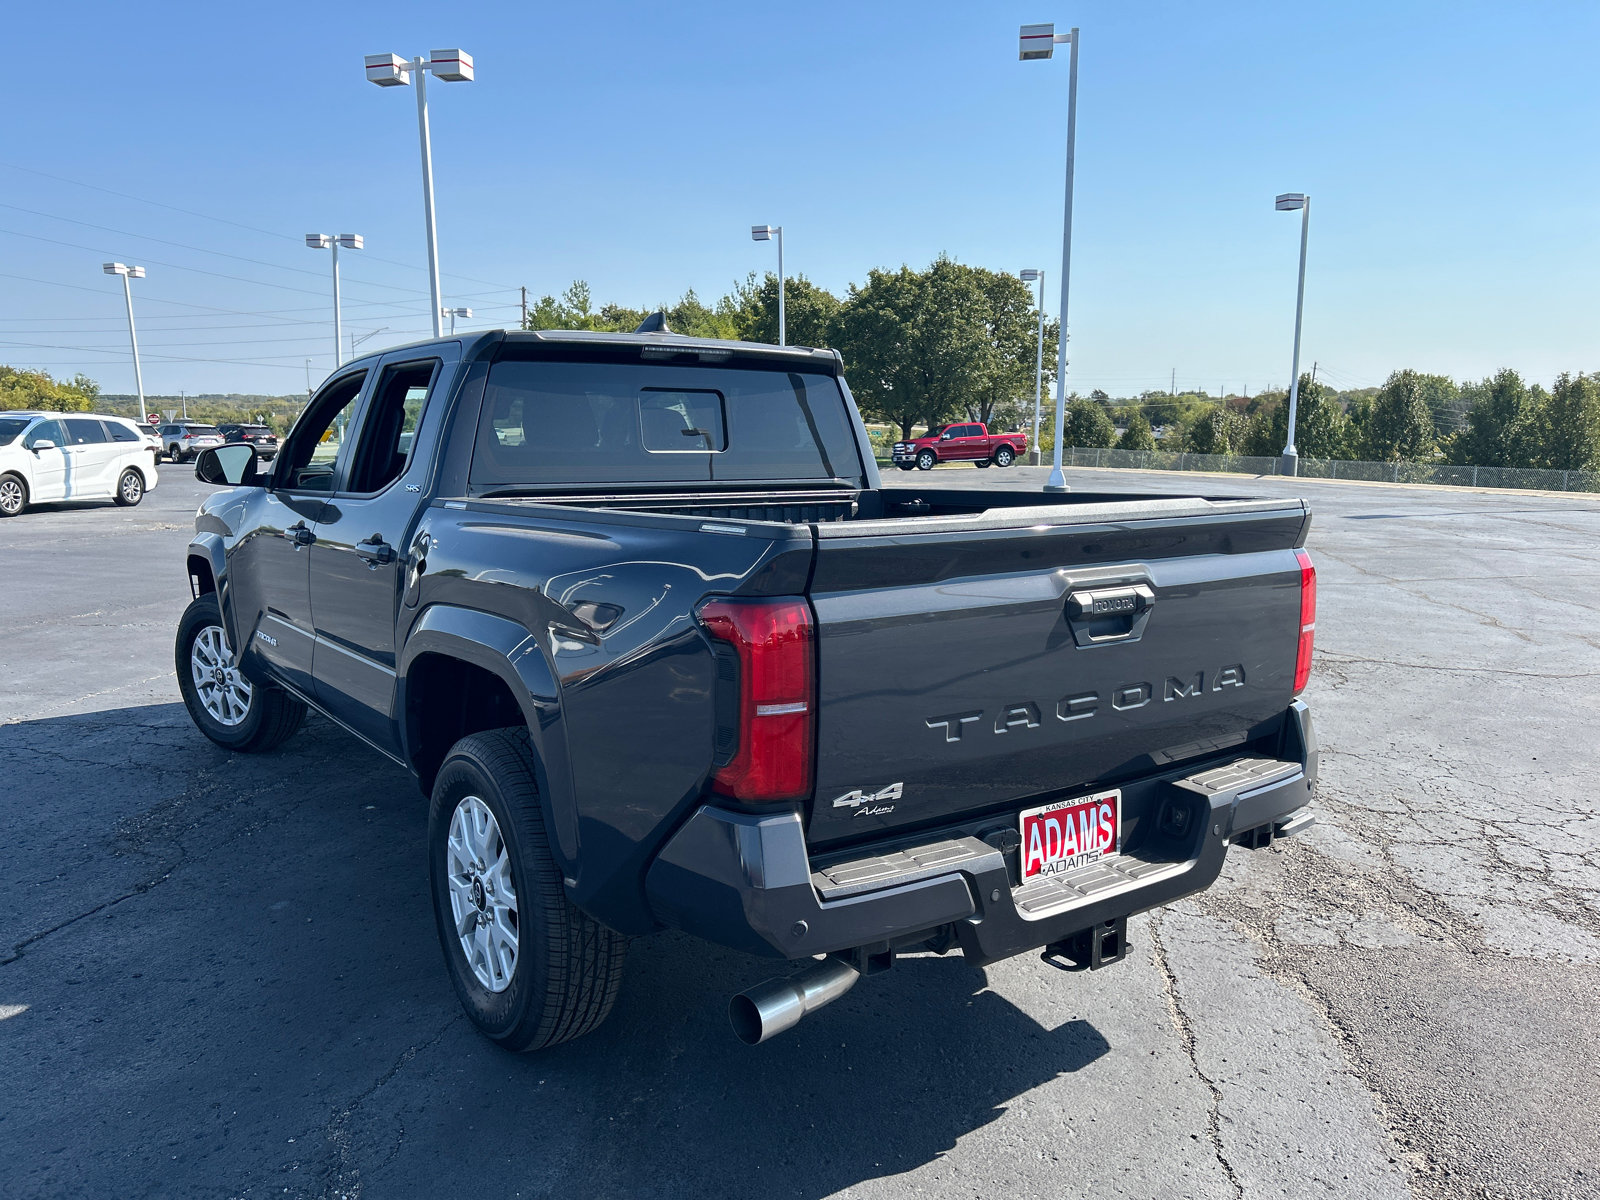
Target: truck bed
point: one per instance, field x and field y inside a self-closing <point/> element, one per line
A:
<point x="949" y="667"/>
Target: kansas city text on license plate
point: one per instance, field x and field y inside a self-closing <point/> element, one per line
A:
<point x="1071" y="833"/>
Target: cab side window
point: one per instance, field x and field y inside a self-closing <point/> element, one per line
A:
<point x="389" y="432"/>
<point x="316" y="445"/>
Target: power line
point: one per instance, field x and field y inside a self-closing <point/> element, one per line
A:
<point x="179" y="266"/>
<point x="224" y="221"/>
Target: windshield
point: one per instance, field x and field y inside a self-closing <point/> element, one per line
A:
<point x="608" y="422"/>
<point x="10" y="427"/>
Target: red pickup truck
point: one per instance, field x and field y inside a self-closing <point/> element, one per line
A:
<point x="965" y="441"/>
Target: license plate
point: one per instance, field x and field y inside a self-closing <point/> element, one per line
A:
<point x="1070" y="833"/>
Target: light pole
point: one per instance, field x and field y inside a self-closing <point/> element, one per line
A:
<point x="1029" y="274"/>
<point x="765" y="233"/>
<point x="1038" y="42"/>
<point x="1288" y="202"/>
<point x="327" y="241"/>
<point x="128" y="273"/>
<point x="356" y="341"/>
<point x="464" y="313"/>
<point x="390" y="70"/>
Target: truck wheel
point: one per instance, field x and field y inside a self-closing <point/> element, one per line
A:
<point x="1003" y="457"/>
<point x="130" y="488"/>
<point x="925" y="460"/>
<point x="13" y="495"/>
<point x="982" y="463"/>
<point x="530" y="969"/>
<point x="227" y="707"/>
<point x="906" y="466"/>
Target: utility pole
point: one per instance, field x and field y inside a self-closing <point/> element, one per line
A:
<point x="524" y="308"/>
<point x="1173" y="390"/>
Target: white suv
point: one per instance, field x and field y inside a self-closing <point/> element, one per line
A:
<point x="48" y="456"/>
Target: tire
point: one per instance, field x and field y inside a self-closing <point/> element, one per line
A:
<point x="1004" y="456"/>
<point x="566" y="968"/>
<point x="13" y="495"/>
<point x="982" y="463"/>
<point x="130" y="488"/>
<point x="907" y="466"/>
<point x="231" y="711"/>
<point x="926" y="460"/>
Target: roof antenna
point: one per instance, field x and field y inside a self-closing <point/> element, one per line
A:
<point x="656" y="322"/>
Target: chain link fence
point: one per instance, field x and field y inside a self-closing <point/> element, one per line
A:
<point x="1322" y="468"/>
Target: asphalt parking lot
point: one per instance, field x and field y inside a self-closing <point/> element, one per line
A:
<point x="219" y="974"/>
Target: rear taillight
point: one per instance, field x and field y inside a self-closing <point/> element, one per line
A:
<point x="765" y="703"/>
<point x="1308" y="621"/>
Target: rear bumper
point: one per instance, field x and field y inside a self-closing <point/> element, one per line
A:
<point x="746" y="880"/>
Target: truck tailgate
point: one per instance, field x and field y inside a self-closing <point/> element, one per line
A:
<point x="969" y="663"/>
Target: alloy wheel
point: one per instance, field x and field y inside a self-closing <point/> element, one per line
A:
<point x="132" y="488"/>
<point x="224" y="693"/>
<point x="11" y="497"/>
<point x="483" y="896"/>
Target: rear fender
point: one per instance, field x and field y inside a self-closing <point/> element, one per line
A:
<point x="508" y="651"/>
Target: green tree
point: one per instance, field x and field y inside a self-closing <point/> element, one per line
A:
<point x="1265" y="429"/>
<point x="1218" y="430"/>
<point x="1087" y="425"/>
<point x="1011" y="324"/>
<point x="808" y="310"/>
<point x="37" y="389"/>
<point x="1505" y="425"/>
<point x="915" y="343"/>
<point x="1399" y="425"/>
<point x="1571" y="425"/>
<point x="1136" y="434"/>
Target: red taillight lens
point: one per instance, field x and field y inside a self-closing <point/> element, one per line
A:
<point x="1308" y="620"/>
<point x="772" y="725"/>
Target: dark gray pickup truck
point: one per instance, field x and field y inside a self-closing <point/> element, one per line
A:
<point x="640" y="618"/>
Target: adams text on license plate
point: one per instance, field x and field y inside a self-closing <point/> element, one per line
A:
<point x="1070" y="833"/>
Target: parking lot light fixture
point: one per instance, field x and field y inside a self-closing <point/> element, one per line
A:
<point x="1289" y="202"/>
<point x="127" y="273"/>
<point x="1029" y="275"/>
<point x="390" y="70"/>
<point x="464" y="313"/>
<point x="767" y="233"/>
<point x="1038" y="42"/>
<point x="327" y="241"/>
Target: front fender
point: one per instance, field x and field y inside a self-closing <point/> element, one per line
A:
<point x="508" y="651"/>
<point x="212" y="550"/>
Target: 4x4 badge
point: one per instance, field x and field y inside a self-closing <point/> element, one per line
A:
<point x="869" y="804"/>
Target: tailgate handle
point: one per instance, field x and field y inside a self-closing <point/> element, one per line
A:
<point x="1107" y="616"/>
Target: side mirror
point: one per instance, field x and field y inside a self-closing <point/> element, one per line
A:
<point x="233" y="464"/>
<point x="42" y="444"/>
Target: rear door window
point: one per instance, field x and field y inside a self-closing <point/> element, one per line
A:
<point x="122" y="433"/>
<point x="83" y="432"/>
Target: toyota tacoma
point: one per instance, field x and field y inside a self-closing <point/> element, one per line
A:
<point x="663" y="652"/>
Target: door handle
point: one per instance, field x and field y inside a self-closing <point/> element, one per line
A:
<point x="300" y="535"/>
<point x="375" y="551"/>
<point x="1109" y="615"/>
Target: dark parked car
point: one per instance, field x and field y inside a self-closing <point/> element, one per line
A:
<point x="641" y="619"/>
<point x="259" y="436"/>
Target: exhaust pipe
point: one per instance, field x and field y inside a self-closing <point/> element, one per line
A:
<point x="769" y="1008"/>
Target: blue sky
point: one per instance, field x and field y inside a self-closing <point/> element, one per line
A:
<point x="1450" y="150"/>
